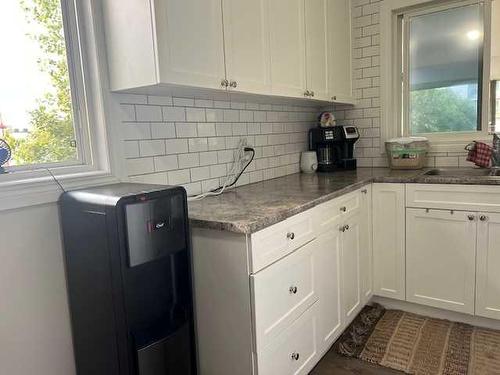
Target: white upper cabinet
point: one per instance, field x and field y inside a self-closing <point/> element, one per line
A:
<point x="246" y="41"/>
<point x="339" y="47"/>
<point x="287" y="37"/>
<point x="190" y="42"/>
<point x="289" y="48"/>
<point x="316" y="21"/>
<point x="488" y="266"/>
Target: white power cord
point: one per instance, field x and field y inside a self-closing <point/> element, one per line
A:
<point x="239" y="163"/>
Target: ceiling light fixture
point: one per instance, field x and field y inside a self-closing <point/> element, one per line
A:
<point x="473" y="35"/>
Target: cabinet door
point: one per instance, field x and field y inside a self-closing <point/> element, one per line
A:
<point x="327" y="278"/>
<point x="190" y="42"/>
<point x="339" y="59"/>
<point x="488" y="266"/>
<point x="350" y="256"/>
<point x="282" y="292"/>
<point x="287" y="36"/>
<point x="246" y="41"/>
<point x="389" y="240"/>
<point x="366" y="248"/>
<point x="316" y="21"/>
<point x="440" y="258"/>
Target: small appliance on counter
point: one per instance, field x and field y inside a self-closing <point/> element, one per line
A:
<point x="334" y="147"/>
<point x="127" y="252"/>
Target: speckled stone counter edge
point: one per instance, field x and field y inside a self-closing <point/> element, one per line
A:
<point x="249" y="226"/>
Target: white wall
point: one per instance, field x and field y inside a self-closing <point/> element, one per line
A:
<point x="35" y="335"/>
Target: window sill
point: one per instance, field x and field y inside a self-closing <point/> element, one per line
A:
<point x="32" y="188"/>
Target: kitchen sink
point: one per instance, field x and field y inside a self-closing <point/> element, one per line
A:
<point x="464" y="172"/>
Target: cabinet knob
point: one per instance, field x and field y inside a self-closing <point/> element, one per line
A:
<point x="224" y="83"/>
<point x="347" y="227"/>
<point x="364" y="191"/>
<point x="293" y="290"/>
<point x="233" y="84"/>
<point x="312" y="93"/>
<point x="307" y="93"/>
<point x="483" y="218"/>
<point x="334" y="98"/>
<point x="344" y="228"/>
<point x="295" y="356"/>
<point x="343" y="209"/>
<point x="471" y="217"/>
<point x="290" y="235"/>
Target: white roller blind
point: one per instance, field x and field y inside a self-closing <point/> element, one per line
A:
<point x="495" y="40"/>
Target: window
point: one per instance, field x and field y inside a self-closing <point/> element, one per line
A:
<point x="38" y="69"/>
<point x="442" y="69"/>
<point x="495" y="106"/>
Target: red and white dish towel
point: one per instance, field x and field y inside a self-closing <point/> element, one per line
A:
<point x="479" y="154"/>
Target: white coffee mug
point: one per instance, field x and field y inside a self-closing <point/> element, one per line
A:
<point x="308" y="162"/>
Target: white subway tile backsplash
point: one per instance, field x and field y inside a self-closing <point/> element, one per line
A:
<point x="166" y="163"/>
<point x="140" y="166"/>
<point x="136" y="131"/>
<point x="191" y="141"/>
<point x="174" y="114"/>
<point x="179" y="177"/>
<point x="148" y="113"/>
<point x="163" y="130"/>
<point x="189" y="160"/>
<point x="206" y="129"/>
<point x="198" y="144"/>
<point x="195" y="115"/>
<point x="152" y="147"/>
<point x="186" y="129"/>
<point x="176" y="146"/>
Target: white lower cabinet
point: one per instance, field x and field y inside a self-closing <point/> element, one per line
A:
<point x="350" y="259"/>
<point x="366" y="247"/>
<point x="488" y="266"/>
<point x="327" y="277"/>
<point x="389" y="240"/>
<point x="295" y="351"/>
<point x="282" y="292"/>
<point x="440" y="258"/>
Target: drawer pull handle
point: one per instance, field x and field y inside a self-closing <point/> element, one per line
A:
<point x="295" y="356"/>
<point x="290" y="235"/>
<point x="483" y="218"/>
<point x="343" y="209"/>
<point x="471" y="217"/>
<point x="364" y="191"/>
<point x="293" y="290"/>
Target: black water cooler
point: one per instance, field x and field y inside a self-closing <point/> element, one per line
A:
<point x="129" y="280"/>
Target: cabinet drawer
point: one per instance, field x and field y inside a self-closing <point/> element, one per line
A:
<point x="293" y="352"/>
<point x="282" y="292"/>
<point x="273" y="243"/>
<point x="454" y="197"/>
<point x="329" y="213"/>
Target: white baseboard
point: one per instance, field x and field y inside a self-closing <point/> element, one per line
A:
<point x="433" y="312"/>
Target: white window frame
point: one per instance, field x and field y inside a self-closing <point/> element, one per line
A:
<point x="95" y="115"/>
<point x="392" y="80"/>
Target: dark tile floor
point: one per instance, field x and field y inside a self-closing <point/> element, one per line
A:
<point x="335" y="364"/>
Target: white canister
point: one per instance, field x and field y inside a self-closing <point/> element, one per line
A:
<point x="308" y="162"/>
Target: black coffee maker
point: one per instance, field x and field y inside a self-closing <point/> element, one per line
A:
<point x="334" y="147"/>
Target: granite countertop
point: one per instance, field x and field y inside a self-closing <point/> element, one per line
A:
<point x="253" y="207"/>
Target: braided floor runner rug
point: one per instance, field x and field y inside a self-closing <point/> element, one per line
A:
<point x="420" y="345"/>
